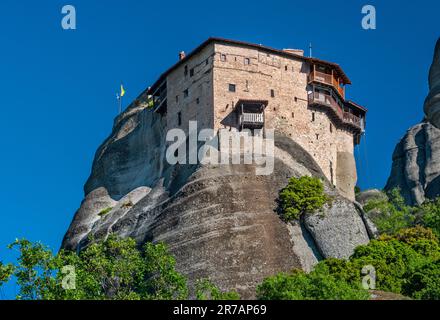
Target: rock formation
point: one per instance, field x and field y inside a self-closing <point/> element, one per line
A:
<point x="432" y="102"/>
<point x="416" y="158"/>
<point x="218" y="221"/>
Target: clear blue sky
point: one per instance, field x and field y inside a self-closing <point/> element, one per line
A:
<point x="58" y="87"/>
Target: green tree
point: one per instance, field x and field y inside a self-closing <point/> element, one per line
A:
<point x="206" y="290"/>
<point x="110" y="269"/>
<point x="300" y="196"/>
<point x="431" y="215"/>
<point x="405" y="263"/>
<point x="5" y="273"/>
<point x="319" y="284"/>
<point x="424" y="282"/>
<point x="392" y="214"/>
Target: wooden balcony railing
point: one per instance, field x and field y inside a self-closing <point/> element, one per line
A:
<point x="330" y="102"/>
<point x="252" y="118"/>
<point x="159" y="101"/>
<point x="327" y="79"/>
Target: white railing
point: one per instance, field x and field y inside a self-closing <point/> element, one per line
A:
<point x="252" y="118"/>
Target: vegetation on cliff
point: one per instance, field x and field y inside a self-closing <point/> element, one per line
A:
<point x="407" y="263"/>
<point x="390" y="213"/>
<point x="112" y="269"/>
<point x="320" y="284"/>
<point x="302" y="195"/>
<point x="405" y="258"/>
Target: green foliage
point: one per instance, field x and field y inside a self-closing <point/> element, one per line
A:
<point x="150" y="102"/>
<point x="405" y="263"/>
<point x="319" y="284"/>
<point x="206" y="290"/>
<point x="424" y="282"/>
<point x="357" y="190"/>
<point x="164" y="282"/>
<point x="111" y="269"/>
<point x="103" y="212"/>
<point x="300" y="196"/>
<point x="5" y="272"/>
<point x="391" y="215"/>
<point x="430" y="212"/>
<point x="397" y="257"/>
<point x="35" y="269"/>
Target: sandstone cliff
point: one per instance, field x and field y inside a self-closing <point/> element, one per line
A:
<point x="416" y="158"/>
<point x="219" y="221"/>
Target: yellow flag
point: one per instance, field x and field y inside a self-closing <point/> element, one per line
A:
<point x="122" y="91"/>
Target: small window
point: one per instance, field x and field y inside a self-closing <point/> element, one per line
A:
<point x="177" y="99"/>
<point x="179" y="118"/>
<point x="191" y="72"/>
<point x="186" y="71"/>
<point x="197" y="100"/>
<point x="331" y="128"/>
<point x="296" y="99"/>
<point x="185" y="93"/>
<point x="272" y="93"/>
<point x="317" y="136"/>
<point x="232" y="87"/>
<point x="331" y="173"/>
<point x="247" y="61"/>
<point x="223" y="57"/>
<point x="285" y="68"/>
<point x="206" y="62"/>
<point x="293" y="114"/>
<point x="313" y="116"/>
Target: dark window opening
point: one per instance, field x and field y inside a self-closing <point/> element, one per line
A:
<point x="272" y="93"/>
<point x="285" y="68"/>
<point x="331" y="128"/>
<point x="191" y="72"/>
<point x="177" y="99"/>
<point x="179" y="118"/>
<point x="296" y="99"/>
<point x="223" y="57"/>
<point x="186" y="93"/>
<point x="331" y="173"/>
<point x="313" y="116"/>
<point x="186" y="71"/>
<point x="206" y="62"/>
<point x="293" y="114"/>
<point x="197" y="100"/>
<point x="317" y="136"/>
<point x="232" y="87"/>
<point x="247" y="61"/>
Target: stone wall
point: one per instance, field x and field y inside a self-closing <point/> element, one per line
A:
<point x="198" y="105"/>
<point x="287" y="112"/>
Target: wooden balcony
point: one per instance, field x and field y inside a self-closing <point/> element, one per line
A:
<point x="328" y="79"/>
<point x="336" y="112"/>
<point x="253" y="120"/>
<point x="159" y="98"/>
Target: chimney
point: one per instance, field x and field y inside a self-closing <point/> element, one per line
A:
<point x="295" y="51"/>
<point x="181" y="55"/>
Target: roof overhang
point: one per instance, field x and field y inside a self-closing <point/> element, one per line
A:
<point x="357" y="106"/>
<point x="260" y="103"/>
